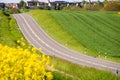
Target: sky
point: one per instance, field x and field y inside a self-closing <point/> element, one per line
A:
<point x="17" y="1"/>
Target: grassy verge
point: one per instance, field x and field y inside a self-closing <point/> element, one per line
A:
<point x="58" y="76"/>
<point x="90" y="33"/>
<point x="83" y="73"/>
<point x="9" y="32"/>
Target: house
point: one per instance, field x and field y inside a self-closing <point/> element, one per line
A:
<point x="41" y="5"/>
<point x="12" y="5"/>
<point x="31" y="4"/>
<point x="58" y="5"/>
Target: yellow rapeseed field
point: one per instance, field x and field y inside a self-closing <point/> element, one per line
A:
<point x="119" y="13"/>
<point x="21" y="64"/>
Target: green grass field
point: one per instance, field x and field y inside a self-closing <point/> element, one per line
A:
<point x="92" y="33"/>
<point x="97" y="31"/>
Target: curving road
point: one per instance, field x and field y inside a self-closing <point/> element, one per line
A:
<point x="38" y="38"/>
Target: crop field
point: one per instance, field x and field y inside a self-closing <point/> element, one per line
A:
<point x="95" y="32"/>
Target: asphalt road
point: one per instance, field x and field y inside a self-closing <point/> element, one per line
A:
<point x="38" y="38"/>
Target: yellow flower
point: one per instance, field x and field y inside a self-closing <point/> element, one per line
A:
<point x="49" y="75"/>
<point x="23" y="44"/>
<point x="18" y="41"/>
<point x="119" y="13"/>
<point x="48" y="60"/>
<point x="52" y="67"/>
<point x="40" y="49"/>
<point x="22" y="38"/>
<point x="21" y="64"/>
<point x="34" y="50"/>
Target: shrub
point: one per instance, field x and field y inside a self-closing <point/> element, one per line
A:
<point x="97" y="6"/>
<point x="6" y="13"/>
<point x="88" y="6"/>
<point x="14" y="10"/>
<point x="72" y="8"/>
<point x="112" y="6"/>
<point x="20" y="64"/>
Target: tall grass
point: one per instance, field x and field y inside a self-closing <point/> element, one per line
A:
<point x="82" y="72"/>
<point x="58" y="76"/>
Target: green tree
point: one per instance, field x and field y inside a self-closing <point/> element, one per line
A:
<point x="83" y="1"/>
<point x="23" y="4"/>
